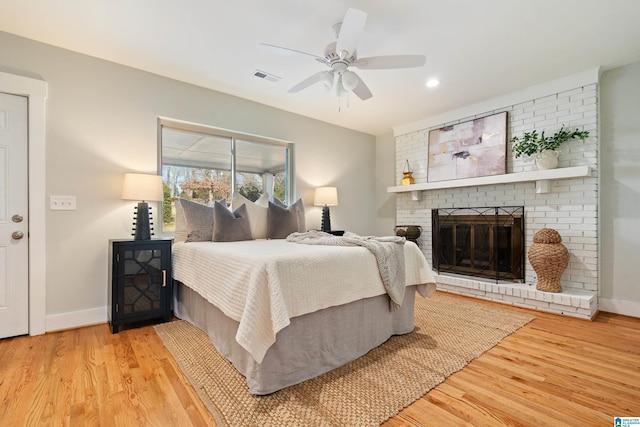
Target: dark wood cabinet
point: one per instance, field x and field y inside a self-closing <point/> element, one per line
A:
<point x="140" y="281"/>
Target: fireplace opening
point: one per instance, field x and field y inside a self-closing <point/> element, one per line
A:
<point x="479" y="242"/>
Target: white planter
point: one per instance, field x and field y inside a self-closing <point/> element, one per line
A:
<point x="548" y="159"/>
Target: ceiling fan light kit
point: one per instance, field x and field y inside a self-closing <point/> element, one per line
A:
<point x="349" y="80"/>
<point x="342" y="54"/>
<point x="327" y="80"/>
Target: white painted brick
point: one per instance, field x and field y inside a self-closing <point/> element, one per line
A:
<point x="538" y="304"/>
<point x="546" y="99"/>
<point x="571" y="208"/>
<point x="514" y="299"/>
<point x="544" y="111"/>
<point x="572" y="92"/>
<point x="558" y="115"/>
<point x="544" y="122"/>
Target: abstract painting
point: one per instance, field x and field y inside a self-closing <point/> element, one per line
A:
<point x="468" y="150"/>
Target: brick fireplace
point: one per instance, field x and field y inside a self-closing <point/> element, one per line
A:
<point x="568" y="204"/>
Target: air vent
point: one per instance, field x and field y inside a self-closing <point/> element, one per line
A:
<point x="266" y="76"/>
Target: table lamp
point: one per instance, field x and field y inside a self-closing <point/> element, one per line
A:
<point x="325" y="197"/>
<point x="144" y="188"/>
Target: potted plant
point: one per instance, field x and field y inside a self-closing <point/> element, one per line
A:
<point x="544" y="149"/>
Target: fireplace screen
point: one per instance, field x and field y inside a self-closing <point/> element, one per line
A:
<point x="479" y="242"/>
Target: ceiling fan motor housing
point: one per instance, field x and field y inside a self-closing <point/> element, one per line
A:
<point x="336" y="62"/>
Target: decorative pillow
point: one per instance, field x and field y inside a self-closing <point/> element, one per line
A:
<point x="180" y="233"/>
<point x="279" y="202"/>
<point x="302" y="222"/>
<point x="199" y="221"/>
<point x="282" y="221"/>
<point x="230" y="226"/>
<point x="299" y="206"/>
<point x="263" y="200"/>
<point x="257" y="213"/>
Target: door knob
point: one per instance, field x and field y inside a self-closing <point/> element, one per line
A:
<point x="17" y="235"/>
<point x="17" y="218"/>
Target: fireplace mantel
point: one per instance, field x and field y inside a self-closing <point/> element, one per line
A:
<point x="542" y="179"/>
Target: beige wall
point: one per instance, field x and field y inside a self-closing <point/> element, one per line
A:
<point x="620" y="190"/>
<point x="101" y="121"/>
<point x="385" y="177"/>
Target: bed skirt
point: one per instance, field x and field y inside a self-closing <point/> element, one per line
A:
<point x="309" y="346"/>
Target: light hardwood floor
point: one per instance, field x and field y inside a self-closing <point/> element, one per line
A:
<point x="555" y="371"/>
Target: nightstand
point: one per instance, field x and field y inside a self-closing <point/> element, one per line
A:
<point x="334" y="232"/>
<point x="140" y="283"/>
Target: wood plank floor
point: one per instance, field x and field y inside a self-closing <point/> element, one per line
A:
<point x="556" y="371"/>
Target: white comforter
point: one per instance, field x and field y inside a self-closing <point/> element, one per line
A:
<point x="262" y="284"/>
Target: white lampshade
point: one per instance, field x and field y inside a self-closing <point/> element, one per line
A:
<point x="326" y="196"/>
<point x="138" y="186"/>
<point x="327" y="80"/>
<point x="350" y="80"/>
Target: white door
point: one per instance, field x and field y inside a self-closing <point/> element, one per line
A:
<point x="14" y="230"/>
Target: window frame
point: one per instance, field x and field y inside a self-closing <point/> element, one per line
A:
<point x="288" y="146"/>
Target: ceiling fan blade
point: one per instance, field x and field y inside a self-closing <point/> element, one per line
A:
<point x="391" y="61"/>
<point x="361" y="90"/>
<point x="350" y="31"/>
<point x="290" y="52"/>
<point x="314" y="78"/>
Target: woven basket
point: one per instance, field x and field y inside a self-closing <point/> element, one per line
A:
<point x="549" y="258"/>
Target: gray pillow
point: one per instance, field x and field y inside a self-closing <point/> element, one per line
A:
<point x="302" y="222"/>
<point x="281" y="221"/>
<point x="230" y="226"/>
<point x="279" y="202"/>
<point x="180" y="233"/>
<point x="299" y="207"/>
<point x="199" y="220"/>
<point x="257" y="213"/>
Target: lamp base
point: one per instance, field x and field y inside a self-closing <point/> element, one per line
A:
<point x="142" y="225"/>
<point x="326" y="220"/>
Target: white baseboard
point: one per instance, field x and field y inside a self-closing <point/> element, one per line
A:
<point x="76" y="319"/>
<point x="628" y="308"/>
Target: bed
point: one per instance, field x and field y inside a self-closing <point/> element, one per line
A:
<point x="283" y="312"/>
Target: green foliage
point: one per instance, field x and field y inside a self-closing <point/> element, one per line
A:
<point x="167" y="215"/>
<point x="532" y="143"/>
<point x="250" y="190"/>
<point x="280" y="186"/>
<point x="279" y="191"/>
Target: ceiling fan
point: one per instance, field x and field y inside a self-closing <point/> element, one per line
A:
<point x="342" y="54"/>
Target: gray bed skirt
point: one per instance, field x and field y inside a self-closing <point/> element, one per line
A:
<point x="310" y="346"/>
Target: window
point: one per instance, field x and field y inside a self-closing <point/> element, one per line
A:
<point x="206" y="164"/>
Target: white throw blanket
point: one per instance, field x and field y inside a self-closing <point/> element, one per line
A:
<point x="388" y="251"/>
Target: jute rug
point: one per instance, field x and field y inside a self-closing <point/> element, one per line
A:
<point x="449" y="333"/>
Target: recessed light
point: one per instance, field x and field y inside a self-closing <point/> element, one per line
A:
<point x="433" y="82"/>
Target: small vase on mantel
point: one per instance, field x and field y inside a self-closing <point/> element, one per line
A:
<point x="549" y="258"/>
<point x="547" y="159"/>
<point x="407" y="174"/>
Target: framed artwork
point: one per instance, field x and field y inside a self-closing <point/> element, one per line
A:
<point x="468" y="150"/>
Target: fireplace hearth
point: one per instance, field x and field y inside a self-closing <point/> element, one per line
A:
<point x="480" y="242"/>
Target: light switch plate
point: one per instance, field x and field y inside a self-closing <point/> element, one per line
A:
<point x="62" y="203"/>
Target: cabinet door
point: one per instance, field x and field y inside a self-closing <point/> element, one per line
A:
<point x="144" y="279"/>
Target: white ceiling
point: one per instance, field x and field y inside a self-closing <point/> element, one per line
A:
<point x="479" y="49"/>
